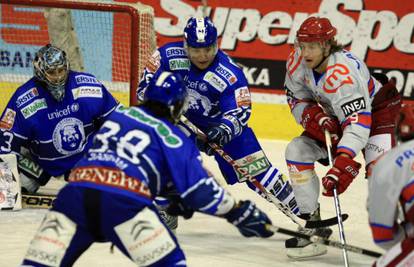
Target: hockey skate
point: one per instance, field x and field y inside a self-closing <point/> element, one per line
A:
<point x="298" y="248"/>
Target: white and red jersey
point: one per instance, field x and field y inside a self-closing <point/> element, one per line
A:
<point x="345" y="91"/>
<point x="391" y="182"/>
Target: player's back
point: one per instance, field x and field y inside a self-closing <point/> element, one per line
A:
<point x="140" y="145"/>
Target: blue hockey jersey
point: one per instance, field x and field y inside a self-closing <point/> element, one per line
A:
<point x="218" y="94"/>
<point x="140" y="156"/>
<point x="56" y="133"/>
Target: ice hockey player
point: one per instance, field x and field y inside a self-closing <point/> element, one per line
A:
<point x="138" y="154"/>
<point x="391" y="194"/>
<point x="219" y="105"/>
<point x="51" y="119"/>
<point x="329" y="88"/>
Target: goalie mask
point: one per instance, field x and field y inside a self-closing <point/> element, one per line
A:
<point x="52" y="67"/>
<point x="168" y="90"/>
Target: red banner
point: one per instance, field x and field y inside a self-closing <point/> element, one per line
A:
<point x="259" y="34"/>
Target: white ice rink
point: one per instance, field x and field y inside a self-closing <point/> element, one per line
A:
<point x="210" y="241"/>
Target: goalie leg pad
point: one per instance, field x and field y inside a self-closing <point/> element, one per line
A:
<point x="10" y="193"/>
<point x="32" y="175"/>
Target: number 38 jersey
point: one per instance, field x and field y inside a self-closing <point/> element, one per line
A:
<point x="140" y="156"/>
<point x="345" y="91"/>
<point x="56" y="133"/>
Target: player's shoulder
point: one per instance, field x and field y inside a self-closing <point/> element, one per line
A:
<point x="224" y="73"/>
<point x="174" y="56"/>
<point x="173" y="49"/>
<point x="27" y="93"/>
<point x="83" y="78"/>
<point x="169" y="134"/>
<point x="295" y="64"/>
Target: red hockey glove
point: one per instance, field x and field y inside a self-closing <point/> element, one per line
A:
<point x="340" y="175"/>
<point x="315" y="121"/>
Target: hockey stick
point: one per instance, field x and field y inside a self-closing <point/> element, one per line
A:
<point x="324" y="241"/>
<point x="285" y="210"/>
<point x="37" y="201"/>
<point x="336" y="201"/>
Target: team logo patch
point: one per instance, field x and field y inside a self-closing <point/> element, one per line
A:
<point x="215" y="81"/>
<point x="86" y="79"/>
<point x="254" y="164"/>
<point x="337" y="76"/>
<point x="175" y="51"/>
<point x="353" y="106"/>
<point x="199" y="102"/>
<point x="179" y="64"/>
<point x="26" y="97"/>
<point x="226" y="73"/>
<point x="63" y="112"/>
<point x="7" y="121"/>
<point x="69" y="136"/>
<point x="242" y="95"/>
<point x="34" y="107"/>
<point x="87" y="91"/>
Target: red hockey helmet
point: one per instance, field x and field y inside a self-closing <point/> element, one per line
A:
<point x="405" y="123"/>
<point x="315" y="29"/>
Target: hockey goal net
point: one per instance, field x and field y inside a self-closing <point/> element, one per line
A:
<point x="110" y="40"/>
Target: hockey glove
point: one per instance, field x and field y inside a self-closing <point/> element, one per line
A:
<point x="315" y="121"/>
<point x="220" y="135"/>
<point x="340" y="175"/>
<point x="177" y="207"/>
<point x="204" y="146"/>
<point x="249" y="220"/>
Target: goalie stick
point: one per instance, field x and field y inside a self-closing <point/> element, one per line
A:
<point x="324" y="241"/>
<point x="37" y="201"/>
<point x="285" y="210"/>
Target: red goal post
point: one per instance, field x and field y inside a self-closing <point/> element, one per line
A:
<point x="110" y="40"/>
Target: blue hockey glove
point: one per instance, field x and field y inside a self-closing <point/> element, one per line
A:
<point x="249" y="219"/>
<point x="220" y="135"/>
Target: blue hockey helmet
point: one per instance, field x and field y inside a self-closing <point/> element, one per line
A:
<point x="52" y="67"/>
<point x="200" y="32"/>
<point x="168" y="89"/>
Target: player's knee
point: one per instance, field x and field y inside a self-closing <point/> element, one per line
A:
<point x="302" y="149"/>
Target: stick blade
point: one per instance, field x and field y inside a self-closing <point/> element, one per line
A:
<point x="326" y="222"/>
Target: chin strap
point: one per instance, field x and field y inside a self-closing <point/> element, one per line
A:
<point x="320" y="63"/>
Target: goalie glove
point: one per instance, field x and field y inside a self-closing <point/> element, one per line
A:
<point x="341" y="175"/>
<point x="249" y="220"/>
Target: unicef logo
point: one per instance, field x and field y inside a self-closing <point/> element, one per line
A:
<point x="69" y="135"/>
<point x="203" y="87"/>
<point x="74" y="107"/>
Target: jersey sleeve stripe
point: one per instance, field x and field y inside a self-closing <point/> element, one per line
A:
<point x="346" y="150"/>
<point x="408" y="192"/>
<point x="382" y="233"/>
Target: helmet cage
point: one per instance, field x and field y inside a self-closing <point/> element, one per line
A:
<point x="48" y="59"/>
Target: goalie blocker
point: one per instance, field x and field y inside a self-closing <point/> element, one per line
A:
<point x="10" y="190"/>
